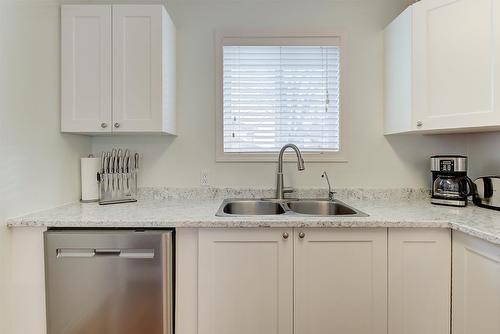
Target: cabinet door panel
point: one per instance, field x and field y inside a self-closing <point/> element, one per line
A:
<point x="85" y="68"/>
<point x="476" y="286"/>
<point x="454" y="62"/>
<point x="137" y="75"/>
<point x="419" y="281"/>
<point x="341" y="281"/>
<point x="245" y="281"/>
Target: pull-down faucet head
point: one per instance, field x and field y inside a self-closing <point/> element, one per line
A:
<point x="300" y="160"/>
<point x="300" y="163"/>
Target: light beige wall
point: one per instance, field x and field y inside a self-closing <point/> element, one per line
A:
<point x="4" y="282"/>
<point x="374" y="160"/>
<point x="39" y="166"/>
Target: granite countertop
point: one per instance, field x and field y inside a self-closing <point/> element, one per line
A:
<point x="401" y="208"/>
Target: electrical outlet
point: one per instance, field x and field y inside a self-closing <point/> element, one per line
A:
<point x="204" y="178"/>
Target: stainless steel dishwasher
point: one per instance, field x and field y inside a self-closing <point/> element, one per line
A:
<point x="109" y="281"/>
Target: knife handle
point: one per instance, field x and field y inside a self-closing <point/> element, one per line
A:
<point x="103" y="160"/>
<point x="115" y="164"/>
<point x="136" y="161"/>
<point x="119" y="157"/>
<point x="106" y="162"/>
<point x="119" y="163"/>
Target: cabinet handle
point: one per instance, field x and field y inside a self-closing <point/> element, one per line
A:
<point x="285" y="235"/>
<point x="104" y="125"/>
<point x="302" y="235"/>
<point x="419" y="124"/>
<point x="117" y="125"/>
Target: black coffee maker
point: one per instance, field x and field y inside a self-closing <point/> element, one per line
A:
<point x="450" y="184"/>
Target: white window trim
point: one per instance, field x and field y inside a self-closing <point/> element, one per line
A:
<point x="273" y="39"/>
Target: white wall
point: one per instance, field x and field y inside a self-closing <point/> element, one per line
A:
<point x="374" y="160"/>
<point x="483" y="150"/>
<point x="39" y="166"/>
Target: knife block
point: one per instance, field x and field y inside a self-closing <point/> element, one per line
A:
<point x="117" y="187"/>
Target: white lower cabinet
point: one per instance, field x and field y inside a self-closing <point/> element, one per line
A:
<point x="248" y="280"/>
<point x="245" y="281"/>
<point x="337" y="281"/>
<point x="476" y="286"/>
<point x="419" y="279"/>
<point x="340" y="281"/>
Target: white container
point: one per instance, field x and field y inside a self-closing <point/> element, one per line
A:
<point x="90" y="186"/>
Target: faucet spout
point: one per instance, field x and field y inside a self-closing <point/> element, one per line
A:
<point x="300" y="166"/>
<point x="331" y="194"/>
<point x="300" y="160"/>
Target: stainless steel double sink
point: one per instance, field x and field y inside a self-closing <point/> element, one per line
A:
<point x="304" y="207"/>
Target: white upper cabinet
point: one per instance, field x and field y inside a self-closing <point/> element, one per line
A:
<point x="440" y="67"/>
<point x="143" y="69"/>
<point x="86" y="68"/>
<point x="118" y="69"/>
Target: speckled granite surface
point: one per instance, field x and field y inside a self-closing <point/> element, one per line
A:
<point x="208" y="193"/>
<point x="162" y="207"/>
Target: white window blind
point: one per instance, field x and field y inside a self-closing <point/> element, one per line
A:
<point x="274" y="95"/>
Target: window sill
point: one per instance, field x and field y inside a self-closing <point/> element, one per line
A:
<point x="273" y="157"/>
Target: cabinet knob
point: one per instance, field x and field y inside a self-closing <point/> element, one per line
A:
<point x="419" y="124"/>
<point x="302" y="235"/>
<point x="117" y="125"/>
<point x="285" y="235"/>
<point x="104" y="125"/>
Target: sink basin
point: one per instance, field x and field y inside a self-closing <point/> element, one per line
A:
<point x="305" y="207"/>
<point x="322" y="208"/>
<point x="251" y="208"/>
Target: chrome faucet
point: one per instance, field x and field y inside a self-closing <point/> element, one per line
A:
<point x="280" y="190"/>
<point x="331" y="194"/>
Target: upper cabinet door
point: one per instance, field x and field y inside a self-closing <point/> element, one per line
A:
<point x="86" y="68"/>
<point x="137" y="68"/>
<point x="245" y="281"/>
<point x="454" y="62"/>
<point x="340" y="281"/>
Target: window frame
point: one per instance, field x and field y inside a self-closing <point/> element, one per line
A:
<point x="273" y="39"/>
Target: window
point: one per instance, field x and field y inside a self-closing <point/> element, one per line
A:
<point x="279" y="90"/>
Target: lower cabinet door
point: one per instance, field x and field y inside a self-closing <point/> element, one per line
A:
<point x="245" y="281"/>
<point x="419" y="280"/>
<point x="476" y="286"/>
<point x="340" y="281"/>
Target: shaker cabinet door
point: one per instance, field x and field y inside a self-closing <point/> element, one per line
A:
<point x="340" y="281"/>
<point x="476" y="286"/>
<point x="454" y="64"/>
<point x="86" y="68"/>
<point x="419" y="280"/>
<point x="245" y="281"/>
<point x="137" y="68"/>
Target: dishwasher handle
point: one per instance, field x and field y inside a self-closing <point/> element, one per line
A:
<point x="108" y="252"/>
